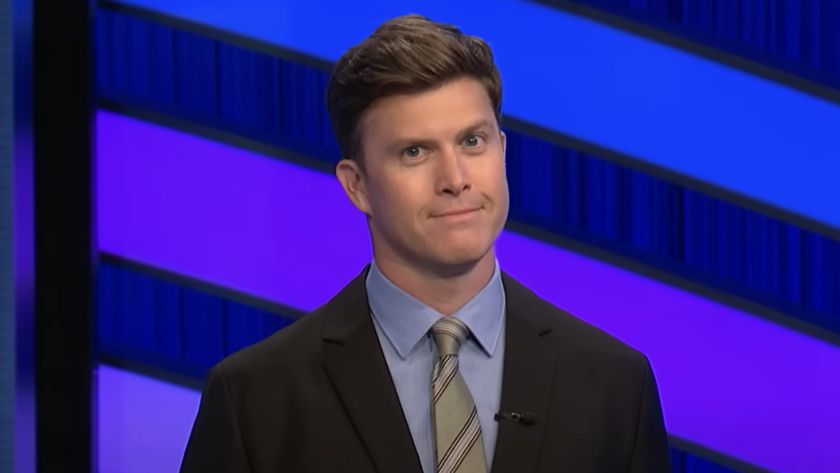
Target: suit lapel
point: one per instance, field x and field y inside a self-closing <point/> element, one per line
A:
<point x="357" y="369"/>
<point x="526" y="383"/>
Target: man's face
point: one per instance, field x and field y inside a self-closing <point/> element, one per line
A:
<point x="434" y="185"/>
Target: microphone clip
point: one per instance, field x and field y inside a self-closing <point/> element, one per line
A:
<point x="524" y="418"/>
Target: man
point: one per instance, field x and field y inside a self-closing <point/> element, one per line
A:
<point x="431" y="360"/>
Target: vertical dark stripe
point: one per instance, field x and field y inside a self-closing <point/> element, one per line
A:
<point x="65" y="238"/>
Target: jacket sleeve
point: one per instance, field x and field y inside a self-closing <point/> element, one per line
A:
<point x="650" y="452"/>
<point x="215" y="444"/>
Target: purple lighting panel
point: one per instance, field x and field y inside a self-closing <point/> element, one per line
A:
<point x="144" y="423"/>
<point x="224" y="215"/>
<point x="729" y="381"/>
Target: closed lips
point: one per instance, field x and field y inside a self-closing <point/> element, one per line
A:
<point x="456" y="212"/>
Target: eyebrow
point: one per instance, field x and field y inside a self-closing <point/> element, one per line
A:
<point x="483" y="123"/>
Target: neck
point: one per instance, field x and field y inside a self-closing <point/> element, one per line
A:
<point x="444" y="289"/>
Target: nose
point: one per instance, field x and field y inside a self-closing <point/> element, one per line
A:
<point x="453" y="177"/>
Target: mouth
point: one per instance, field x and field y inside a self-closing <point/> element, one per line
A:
<point x="458" y="212"/>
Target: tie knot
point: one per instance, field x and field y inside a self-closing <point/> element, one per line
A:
<point x="449" y="333"/>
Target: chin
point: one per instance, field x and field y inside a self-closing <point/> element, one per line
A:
<point x="461" y="258"/>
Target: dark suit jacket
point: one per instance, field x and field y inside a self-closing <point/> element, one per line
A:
<point x="318" y="397"/>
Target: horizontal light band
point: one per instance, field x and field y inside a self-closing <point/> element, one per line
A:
<point x="188" y="205"/>
<point x="729" y="381"/>
<point x="600" y="84"/>
<point x="144" y="423"/>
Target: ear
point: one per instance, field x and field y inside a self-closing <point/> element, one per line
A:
<point x="503" y="137"/>
<point x="353" y="182"/>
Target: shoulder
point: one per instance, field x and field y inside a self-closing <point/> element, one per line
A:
<point x="566" y="333"/>
<point x="295" y="350"/>
<point x="290" y="349"/>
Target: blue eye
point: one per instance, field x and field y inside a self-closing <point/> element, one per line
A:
<point x="411" y="152"/>
<point x="473" y="141"/>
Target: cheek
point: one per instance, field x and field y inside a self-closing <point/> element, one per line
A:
<point x="494" y="179"/>
<point x="503" y="186"/>
<point x="392" y="203"/>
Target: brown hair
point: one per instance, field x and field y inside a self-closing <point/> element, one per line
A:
<point x="407" y="54"/>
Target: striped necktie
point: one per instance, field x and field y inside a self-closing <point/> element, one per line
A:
<point x="460" y="448"/>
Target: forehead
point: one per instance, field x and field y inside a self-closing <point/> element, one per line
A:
<point x="450" y="108"/>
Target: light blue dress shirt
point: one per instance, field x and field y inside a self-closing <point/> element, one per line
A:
<point x="403" y="323"/>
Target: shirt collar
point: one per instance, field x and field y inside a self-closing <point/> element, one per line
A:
<point x="405" y="321"/>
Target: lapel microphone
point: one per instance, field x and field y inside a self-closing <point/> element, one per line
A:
<point x="524" y="418"/>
